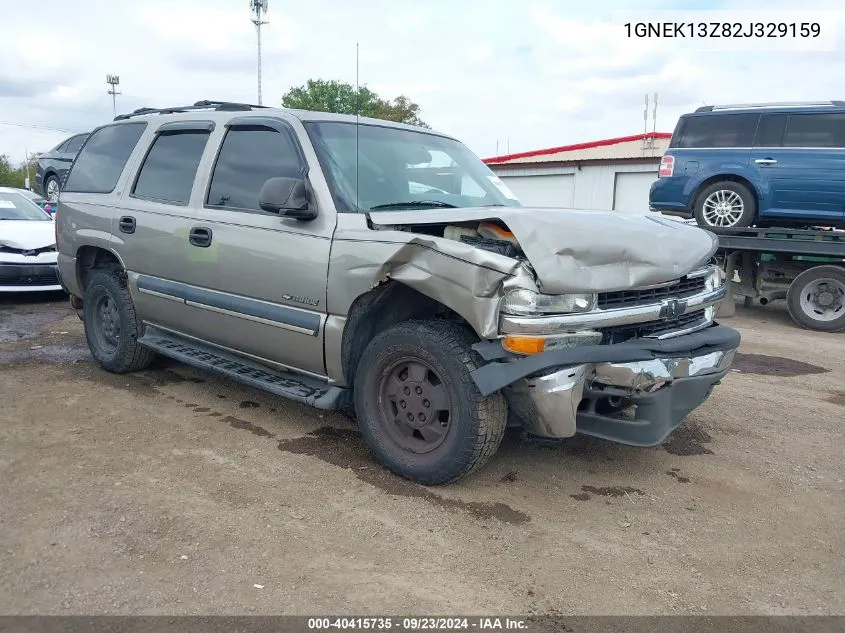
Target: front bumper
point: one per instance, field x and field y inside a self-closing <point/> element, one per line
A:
<point x="22" y="277"/>
<point x="635" y="392"/>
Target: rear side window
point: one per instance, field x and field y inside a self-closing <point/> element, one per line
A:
<point x="98" y="166"/>
<point x="170" y="167"/>
<point x="770" y="130"/>
<point x="74" y="144"/>
<point x="815" y="130"/>
<point x="722" y="130"/>
<point x="249" y="157"/>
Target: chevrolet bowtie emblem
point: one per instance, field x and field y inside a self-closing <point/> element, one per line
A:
<point x="672" y="309"/>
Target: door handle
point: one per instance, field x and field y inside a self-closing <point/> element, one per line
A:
<point x="126" y="224"/>
<point x="200" y="236"/>
<point x="765" y="161"/>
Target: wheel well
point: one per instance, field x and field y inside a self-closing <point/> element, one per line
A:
<point x="722" y="178"/>
<point x="89" y="258"/>
<point x="377" y="310"/>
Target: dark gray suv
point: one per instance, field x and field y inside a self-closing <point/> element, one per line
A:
<point x="53" y="166"/>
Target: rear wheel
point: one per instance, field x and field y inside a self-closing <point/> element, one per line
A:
<point x="816" y="299"/>
<point x="51" y="188"/>
<point x="111" y="325"/>
<point x="419" y="409"/>
<point x="724" y="205"/>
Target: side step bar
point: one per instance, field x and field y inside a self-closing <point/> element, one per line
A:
<point x="289" y="385"/>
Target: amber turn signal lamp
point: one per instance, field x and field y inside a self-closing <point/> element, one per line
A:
<point x="524" y="344"/>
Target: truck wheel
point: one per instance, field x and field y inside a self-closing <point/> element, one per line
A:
<point x="725" y="204"/>
<point x="418" y="407"/>
<point x="816" y="299"/>
<point x="111" y="326"/>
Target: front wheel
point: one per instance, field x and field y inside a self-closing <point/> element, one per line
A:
<point x="725" y="204"/>
<point x="111" y="325"/>
<point x="816" y="299"/>
<point x="419" y="409"/>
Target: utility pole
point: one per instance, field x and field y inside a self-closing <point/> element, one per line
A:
<point x="27" y="181"/>
<point x="113" y="81"/>
<point x="257" y="7"/>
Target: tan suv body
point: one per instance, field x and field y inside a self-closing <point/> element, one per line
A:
<point x="339" y="261"/>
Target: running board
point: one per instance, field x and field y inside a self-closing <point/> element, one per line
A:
<point x="287" y="384"/>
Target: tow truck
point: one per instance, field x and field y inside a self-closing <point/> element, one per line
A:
<point x="806" y="267"/>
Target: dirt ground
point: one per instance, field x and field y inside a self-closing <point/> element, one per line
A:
<point x="173" y="491"/>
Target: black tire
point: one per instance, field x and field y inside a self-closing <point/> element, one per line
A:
<point x="476" y="423"/>
<point x="113" y="344"/>
<point x="802" y="312"/>
<point x="749" y="204"/>
<point x="47" y="181"/>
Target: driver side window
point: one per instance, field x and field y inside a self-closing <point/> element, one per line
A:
<point x="249" y="157"/>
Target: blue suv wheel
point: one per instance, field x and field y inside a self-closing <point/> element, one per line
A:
<point x="725" y="204"/>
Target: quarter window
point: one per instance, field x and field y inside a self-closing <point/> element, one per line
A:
<point x="722" y="130"/>
<point x="98" y="166"/>
<point x="75" y="143"/>
<point x="171" y="165"/>
<point x="249" y="157"/>
<point x="815" y="130"/>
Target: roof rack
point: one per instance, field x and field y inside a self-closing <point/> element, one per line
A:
<point x="229" y="106"/>
<point x="776" y="104"/>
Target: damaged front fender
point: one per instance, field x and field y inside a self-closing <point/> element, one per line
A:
<point x="465" y="279"/>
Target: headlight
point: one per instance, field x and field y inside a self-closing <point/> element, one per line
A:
<point x="526" y="302"/>
<point x="715" y="279"/>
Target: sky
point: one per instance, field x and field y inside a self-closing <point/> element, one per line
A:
<point x="499" y="75"/>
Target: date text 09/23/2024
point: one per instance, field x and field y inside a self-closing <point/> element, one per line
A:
<point x="417" y="624"/>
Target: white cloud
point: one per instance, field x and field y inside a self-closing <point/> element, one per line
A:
<point x="531" y="74"/>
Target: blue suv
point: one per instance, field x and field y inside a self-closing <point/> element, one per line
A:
<point x="760" y="164"/>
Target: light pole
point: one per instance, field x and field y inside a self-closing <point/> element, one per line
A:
<point x="113" y="81"/>
<point x="257" y="7"/>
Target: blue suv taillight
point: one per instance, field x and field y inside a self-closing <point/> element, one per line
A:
<point x="667" y="166"/>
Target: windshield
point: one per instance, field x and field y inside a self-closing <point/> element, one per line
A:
<point x="14" y="206"/>
<point x="400" y="169"/>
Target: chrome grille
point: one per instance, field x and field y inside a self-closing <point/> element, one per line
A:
<point x="621" y="333"/>
<point x="684" y="287"/>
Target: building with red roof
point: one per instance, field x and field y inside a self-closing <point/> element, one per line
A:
<point x="610" y="174"/>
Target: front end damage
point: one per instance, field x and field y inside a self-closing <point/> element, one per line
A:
<point x="604" y="325"/>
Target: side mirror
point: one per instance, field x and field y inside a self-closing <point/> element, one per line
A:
<point x="287" y="197"/>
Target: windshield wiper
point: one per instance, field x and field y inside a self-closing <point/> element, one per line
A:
<point x="414" y="203"/>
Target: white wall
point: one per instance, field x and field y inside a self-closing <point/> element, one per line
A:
<point x="594" y="185"/>
<point x="544" y="191"/>
<point x="631" y="191"/>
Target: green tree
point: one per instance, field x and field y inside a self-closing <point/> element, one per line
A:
<point x="335" y="96"/>
<point x="12" y="176"/>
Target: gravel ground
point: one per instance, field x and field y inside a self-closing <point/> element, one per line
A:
<point x="173" y="491"/>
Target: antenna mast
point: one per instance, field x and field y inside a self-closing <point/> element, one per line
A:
<point x="257" y="7"/>
<point x="645" y="125"/>
<point x="113" y="81"/>
<point x="357" y="126"/>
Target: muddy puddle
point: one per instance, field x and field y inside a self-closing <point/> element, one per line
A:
<point x="774" y="366"/>
<point x="345" y="448"/>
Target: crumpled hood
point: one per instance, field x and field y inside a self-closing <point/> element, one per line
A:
<point x="27" y="235"/>
<point x="585" y="251"/>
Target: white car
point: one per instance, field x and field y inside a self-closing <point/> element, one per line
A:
<point x="27" y="245"/>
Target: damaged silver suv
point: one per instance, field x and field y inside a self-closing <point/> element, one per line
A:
<point x="338" y="261"/>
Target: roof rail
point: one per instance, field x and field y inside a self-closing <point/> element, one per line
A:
<point x="775" y="104"/>
<point x="230" y="106"/>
